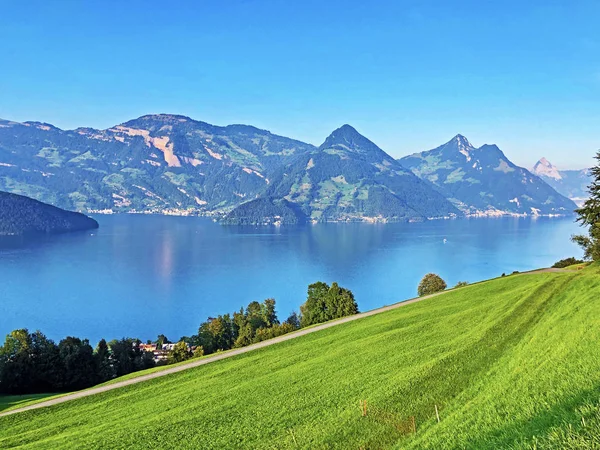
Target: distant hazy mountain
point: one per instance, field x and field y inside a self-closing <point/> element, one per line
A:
<point x="21" y="215"/>
<point x="570" y="183"/>
<point x="483" y="181"/>
<point x="157" y="163"/>
<point x="350" y="178"/>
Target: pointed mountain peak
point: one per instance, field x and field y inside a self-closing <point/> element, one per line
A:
<point x="544" y="162"/>
<point x="343" y="134"/>
<point x="545" y="168"/>
<point x="346" y="137"/>
<point x="460" y="144"/>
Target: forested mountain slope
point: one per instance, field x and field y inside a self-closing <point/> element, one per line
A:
<point x="21" y="215"/>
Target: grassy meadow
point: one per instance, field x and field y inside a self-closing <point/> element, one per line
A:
<point x="509" y="363"/>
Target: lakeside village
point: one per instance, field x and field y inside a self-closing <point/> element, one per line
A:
<point x="161" y="352"/>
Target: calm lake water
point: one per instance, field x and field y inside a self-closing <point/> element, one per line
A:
<point x="144" y="275"/>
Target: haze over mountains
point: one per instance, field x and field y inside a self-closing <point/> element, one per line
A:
<point x="483" y="181"/>
<point x="570" y="183"/>
<point x="166" y="163"/>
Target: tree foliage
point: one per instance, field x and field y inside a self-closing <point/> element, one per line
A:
<point x="325" y="303"/>
<point x="589" y="216"/>
<point x="566" y="263"/>
<point x="179" y="353"/>
<point x="32" y="363"/>
<point x="430" y="284"/>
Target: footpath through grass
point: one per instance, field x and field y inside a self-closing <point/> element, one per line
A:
<point x="510" y="363"/>
<point x="8" y="402"/>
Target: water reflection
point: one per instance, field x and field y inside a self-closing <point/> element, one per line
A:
<point x="144" y="275"/>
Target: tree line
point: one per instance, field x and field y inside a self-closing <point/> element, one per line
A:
<point x="30" y="362"/>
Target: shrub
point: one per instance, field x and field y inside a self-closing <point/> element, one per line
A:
<point x="566" y="263"/>
<point x="430" y="284"/>
<point x="461" y="284"/>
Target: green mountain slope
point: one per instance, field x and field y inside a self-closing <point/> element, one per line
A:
<point x="349" y="178"/>
<point x="156" y="163"/>
<point x="509" y="362"/>
<point x="21" y="215"/>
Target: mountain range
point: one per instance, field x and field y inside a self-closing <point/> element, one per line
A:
<point x="349" y="178"/>
<point x="172" y="164"/>
<point x="570" y="183"/>
<point x="483" y="181"/>
<point x="156" y="163"/>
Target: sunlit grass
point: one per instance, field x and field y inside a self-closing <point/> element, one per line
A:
<point x="509" y="363"/>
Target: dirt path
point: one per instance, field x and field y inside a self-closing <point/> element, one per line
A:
<point x="230" y="353"/>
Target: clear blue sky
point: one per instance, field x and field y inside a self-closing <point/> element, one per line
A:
<point x="407" y="74"/>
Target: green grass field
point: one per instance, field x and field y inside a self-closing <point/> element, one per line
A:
<point x="8" y="402"/>
<point x="510" y="363"/>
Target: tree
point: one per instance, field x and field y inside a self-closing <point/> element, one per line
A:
<point x="461" y="284"/>
<point x="589" y="215"/>
<point x="180" y="352"/>
<point x="216" y="334"/>
<point x="46" y="363"/>
<point x="77" y="357"/>
<point x="430" y="284"/>
<point x="15" y="365"/>
<point x="104" y="368"/>
<point x="127" y="356"/>
<point x="29" y="363"/>
<point x="160" y="340"/>
<point x="325" y="303"/>
<point x="268" y="312"/>
<point x="293" y="320"/>
<point x="245" y="336"/>
<point x="314" y="310"/>
<point x="566" y="263"/>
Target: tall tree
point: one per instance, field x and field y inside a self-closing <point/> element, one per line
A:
<point x="77" y="357"/>
<point x="104" y="368"/>
<point x="15" y="365"/>
<point x="293" y="320"/>
<point x="589" y="215"/>
<point x="268" y="312"/>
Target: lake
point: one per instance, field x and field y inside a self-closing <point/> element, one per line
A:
<point x="140" y="275"/>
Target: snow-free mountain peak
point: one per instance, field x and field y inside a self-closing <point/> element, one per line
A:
<point x="545" y="168"/>
<point x="347" y="138"/>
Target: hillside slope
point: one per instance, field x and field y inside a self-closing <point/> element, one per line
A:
<point x="483" y="181"/>
<point x="21" y="215"/>
<point x="155" y="163"/>
<point x="350" y="178"/>
<point x="508" y="362"/>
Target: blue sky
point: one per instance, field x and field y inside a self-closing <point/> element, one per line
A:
<point x="407" y="74"/>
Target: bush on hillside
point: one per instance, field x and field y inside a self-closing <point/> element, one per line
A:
<point x="566" y="263"/>
<point x="430" y="284"/>
<point x="461" y="284"/>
